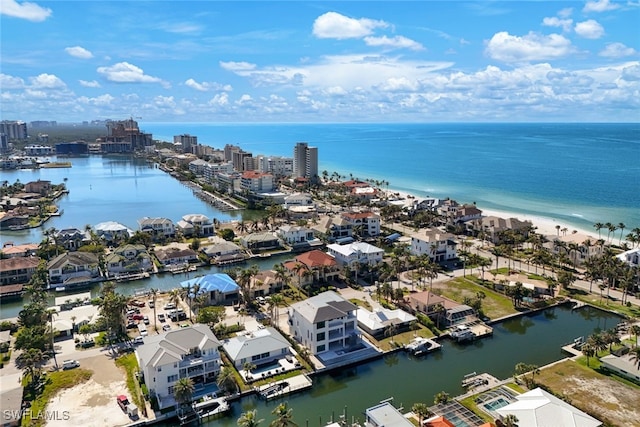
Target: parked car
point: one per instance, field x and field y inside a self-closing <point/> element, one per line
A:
<point x="169" y="306"/>
<point x="166" y="327"/>
<point x="137" y="317"/>
<point x="132" y="325"/>
<point x="161" y="317"/>
<point x="70" y="364"/>
<point x="145" y="319"/>
<point x="138" y="340"/>
<point x="261" y="300"/>
<point x="151" y="304"/>
<point x="122" y="402"/>
<point x="137" y="303"/>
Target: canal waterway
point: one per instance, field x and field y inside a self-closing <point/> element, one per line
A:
<point x="533" y="339"/>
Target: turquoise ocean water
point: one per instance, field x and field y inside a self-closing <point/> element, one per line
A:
<point x="575" y="173"/>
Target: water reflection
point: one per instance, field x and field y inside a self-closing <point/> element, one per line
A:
<point x="519" y="325"/>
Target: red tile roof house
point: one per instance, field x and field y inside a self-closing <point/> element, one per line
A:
<point x="316" y="266"/>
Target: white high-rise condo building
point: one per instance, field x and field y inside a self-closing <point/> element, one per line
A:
<point x="305" y="161"/>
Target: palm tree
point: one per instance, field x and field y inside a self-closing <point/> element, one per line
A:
<point x="621" y="226"/>
<point x="247" y="368"/>
<point x="598" y="226"/>
<point x="52" y="313"/>
<point x="588" y="351"/>
<point x="635" y="356"/>
<point x="225" y="380"/>
<point x="249" y="419"/>
<point x="174" y="296"/>
<point x="421" y="410"/>
<point x="635" y="331"/>
<point x="284" y="416"/>
<point x="183" y="391"/>
<point x="442" y="397"/>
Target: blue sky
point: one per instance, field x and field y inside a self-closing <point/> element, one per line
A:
<point x="330" y="61"/>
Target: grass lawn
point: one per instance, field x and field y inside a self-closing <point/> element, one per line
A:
<point x="55" y="382"/>
<point x="603" y="302"/>
<point x="130" y="364"/>
<point x="612" y="401"/>
<point x="400" y="340"/>
<point x="494" y="305"/>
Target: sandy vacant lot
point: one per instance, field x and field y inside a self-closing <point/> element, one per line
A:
<point x="93" y="403"/>
<point x="604" y="397"/>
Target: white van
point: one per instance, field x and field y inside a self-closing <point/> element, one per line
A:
<point x="143" y="329"/>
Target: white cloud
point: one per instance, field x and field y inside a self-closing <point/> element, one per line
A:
<point x="47" y="81"/>
<point x="10" y="82"/>
<point x="333" y="25"/>
<point x="202" y="87"/>
<point x="181" y="27"/>
<point x="79" y="52"/>
<point x="589" y="29"/>
<point x="554" y="21"/>
<point x="219" y="100"/>
<point x="164" y="102"/>
<point x="531" y="47"/>
<point x="207" y="86"/>
<point x="617" y="50"/>
<point x="123" y="72"/>
<point x="395" y="42"/>
<point x="599" y="6"/>
<point x="237" y="66"/>
<point x="26" y="10"/>
<point x="335" y="91"/>
<point x="91" y="83"/>
<point x="566" y="12"/>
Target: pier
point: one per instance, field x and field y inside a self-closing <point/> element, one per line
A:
<point x="284" y="387"/>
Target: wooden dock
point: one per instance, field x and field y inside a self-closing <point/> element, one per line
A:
<point x="284" y="387"/>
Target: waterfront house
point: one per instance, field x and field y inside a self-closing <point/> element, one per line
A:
<point x="260" y="348"/>
<point x="537" y="408"/>
<point x="376" y="323"/>
<point x="13" y="220"/>
<point x="293" y="234"/>
<point x="494" y="227"/>
<point x="261" y="241"/>
<point x="438" y="245"/>
<point x="128" y="259"/>
<point x="40" y="187"/>
<point x="335" y="228"/>
<point x="157" y="228"/>
<point x="385" y="414"/>
<point x="365" y="224"/>
<point x="430" y="304"/>
<point x="9" y="250"/>
<point x="325" y="322"/>
<point x="72" y="238"/>
<point x="219" y="288"/>
<point x="73" y="267"/>
<point x="175" y="255"/>
<point x="315" y="266"/>
<point x="182" y="353"/>
<point x="15" y="273"/>
<point x="357" y="252"/>
<point x="221" y="252"/>
<point x="200" y="225"/>
<point x="112" y="232"/>
<point x="577" y="247"/>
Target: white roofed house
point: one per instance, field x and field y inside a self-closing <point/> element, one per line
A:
<point x="221" y="252"/>
<point x="260" y="348"/>
<point x="158" y="228"/>
<point x="537" y="408"/>
<point x="296" y="234"/>
<point x="377" y="322"/>
<point x="111" y="231"/>
<point x="325" y="322"/>
<point x="298" y="199"/>
<point x="631" y="257"/>
<point x="182" y="353"/>
<point x="438" y="245"/>
<point x="201" y="225"/>
<point x="357" y="252"/>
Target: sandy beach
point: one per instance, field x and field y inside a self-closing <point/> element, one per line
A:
<point x="544" y="225"/>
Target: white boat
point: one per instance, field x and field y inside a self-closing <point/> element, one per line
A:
<point x="211" y="405"/>
<point x="462" y="333"/>
<point x="420" y="345"/>
<point x="60" y="289"/>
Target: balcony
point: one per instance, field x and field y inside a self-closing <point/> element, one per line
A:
<point x="336" y="333"/>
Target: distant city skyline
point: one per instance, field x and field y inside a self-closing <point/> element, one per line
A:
<point x="294" y="61"/>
